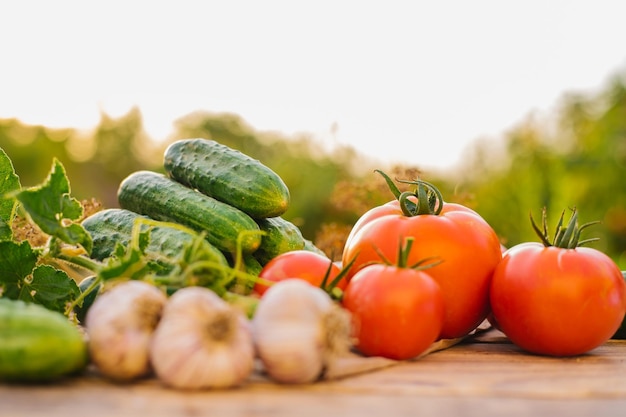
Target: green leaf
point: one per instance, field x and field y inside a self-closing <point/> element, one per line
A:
<point x="50" y="287"/>
<point x="17" y="261"/>
<point x="9" y="183"/>
<point x="5" y="230"/>
<point x="50" y="206"/>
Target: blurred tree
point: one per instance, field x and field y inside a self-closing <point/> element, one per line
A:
<point x="95" y="161"/>
<point x="579" y="161"/>
<point x="595" y="128"/>
<point x="31" y="149"/>
<point x="122" y="147"/>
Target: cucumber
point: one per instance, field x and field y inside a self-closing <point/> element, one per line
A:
<point x="37" y="344"/>
<point x="161" y="198"/>
<point x="252" y="266"/>
<point x="280" y="236"/>
<point x="111" y="226"/>
<point x="227" y="175"/>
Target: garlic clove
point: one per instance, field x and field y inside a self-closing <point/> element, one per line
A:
<point x="294" y="354"/>
<point x="201" y="342"/>
<point x="298" y="331"/>
<point x="119" y="327"/>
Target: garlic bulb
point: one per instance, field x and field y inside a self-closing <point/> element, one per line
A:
<point x="298" y="330"/>
<point x="119" y="326"/>
<point x="201" y="342"/>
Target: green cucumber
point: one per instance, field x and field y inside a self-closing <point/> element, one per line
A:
<point x="113" y="226"/>
<point x="252" y="265"/>
<point x="228" y="175"/>
<point x="161" y="198"/>
<point x="280" y="236"/>
<point x="37" y="344"/>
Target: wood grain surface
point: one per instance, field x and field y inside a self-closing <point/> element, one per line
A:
<point x="485" y="376"/>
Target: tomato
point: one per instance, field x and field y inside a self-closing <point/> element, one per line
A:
<point x="398" y="312"/>
<point x="620" y="334"/>
<point x="303" y="264"/>
<point x="392" y="207"/>
<point x="466" y="245"/>
<point x="556" y="301"/>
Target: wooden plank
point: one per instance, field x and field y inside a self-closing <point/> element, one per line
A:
<point x="504" y="370"/>
<point x="488" y="377"/>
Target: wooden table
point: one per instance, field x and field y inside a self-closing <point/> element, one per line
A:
<point x="486" y="376"/>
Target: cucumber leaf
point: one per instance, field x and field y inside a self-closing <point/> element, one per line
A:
<point x="5" y="230"/>
<point x="50" y="206"/>
<point x="17" y="261"/>
<point x="23" y="279"/>
<point x="9" y="183"/>
<point x="50" y="287"/>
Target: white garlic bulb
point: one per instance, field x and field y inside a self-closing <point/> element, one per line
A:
<point x="201" y="342"/>
<point x="119" y="326"/>
<point x="298" y="330"/>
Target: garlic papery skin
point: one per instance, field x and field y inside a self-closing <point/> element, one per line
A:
<point x="298" y="330"/>
<point x="202" y="342"/>
<point x="119" y="328"/>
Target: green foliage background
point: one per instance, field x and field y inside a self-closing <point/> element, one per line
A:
<point x="574" y="157"/>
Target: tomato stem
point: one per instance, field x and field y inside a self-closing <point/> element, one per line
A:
<point x="403" y="256"/>
<point x="566" y="237"/>
<point x="403" y="251"/>
<point x="427" y="198"/>
<point x="331" y="288"/>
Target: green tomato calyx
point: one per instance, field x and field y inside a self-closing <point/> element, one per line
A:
<point x="404" y="249"/>
<point x="425" y="199"/>
<point x="331" y="287"/>
<point x="566" y="236"/>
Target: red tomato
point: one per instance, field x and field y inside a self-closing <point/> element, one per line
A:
<point x="392" y="207"/>
<point x="555" y="301"/>
<point x="398" y="312"/>
<point x="466" y="245"/>
<point x="303" y="264"/>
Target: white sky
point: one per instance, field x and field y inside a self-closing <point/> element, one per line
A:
<point x="406" y="81"/>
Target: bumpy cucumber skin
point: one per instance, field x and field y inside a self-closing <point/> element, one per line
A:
<point x="111" y="226"/>
<point x="281" y="236"/>
<point x="228" y="175"/>
<point x="161" y="198"/>
<point x="37" y="344"/>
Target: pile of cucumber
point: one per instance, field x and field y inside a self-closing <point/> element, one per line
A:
<point x="235" y="200"/>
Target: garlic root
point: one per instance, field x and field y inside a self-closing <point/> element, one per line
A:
<point x="298" y="331"/>
<point x="119" y="326"/>
<point x="201" y="342"/>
